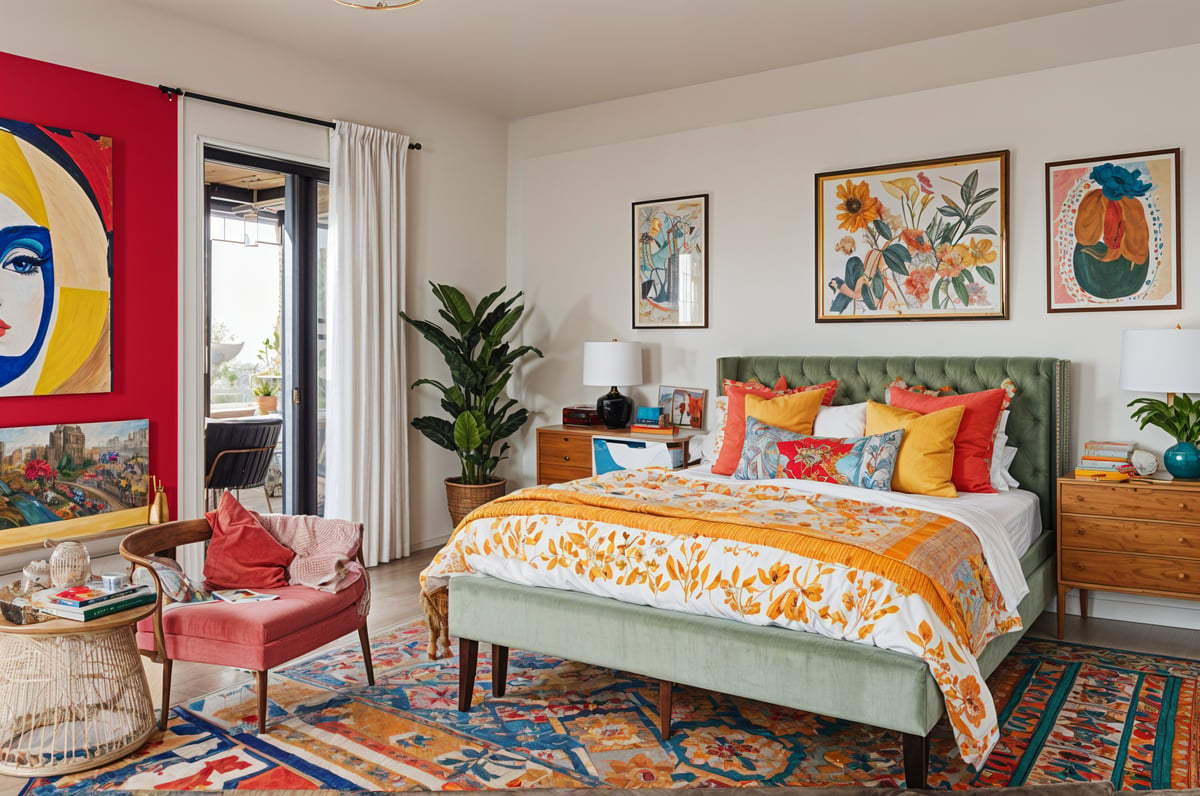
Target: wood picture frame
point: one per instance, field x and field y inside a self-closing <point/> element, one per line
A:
<point x="923" y="240"/>
<point x="683" y="407"/>
<point x="1113" y="233"/>
<point x="670" y="263"/>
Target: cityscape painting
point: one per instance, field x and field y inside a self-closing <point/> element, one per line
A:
<point x="70" y="473"/>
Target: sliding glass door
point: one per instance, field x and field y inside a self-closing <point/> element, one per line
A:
<point x="266" y="223"/>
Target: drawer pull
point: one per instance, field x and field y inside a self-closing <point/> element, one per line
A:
<point x="1183" y="540"/>
<point x="1183" y="576"/>
<point x="566" y="458"/>
<point x="1079" y="531"/>
<point x="1182" y="506"/>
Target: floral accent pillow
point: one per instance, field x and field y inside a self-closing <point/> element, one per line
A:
<point x="760" y="453"/>
<point x="866" y="462"/>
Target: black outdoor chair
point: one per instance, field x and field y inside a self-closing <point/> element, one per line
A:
<point x="238" y="454"/>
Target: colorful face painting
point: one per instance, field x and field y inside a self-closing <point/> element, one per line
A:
<point x="56" y="226"/>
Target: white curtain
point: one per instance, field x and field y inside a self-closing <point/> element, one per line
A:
<point x="366" y="448"/>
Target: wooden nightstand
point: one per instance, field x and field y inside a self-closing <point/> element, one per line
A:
<point x="1135" y="537"/>
<point x="564" y="453"/>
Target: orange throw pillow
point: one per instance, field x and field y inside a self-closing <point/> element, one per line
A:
<point x="734" y="436"/>
<point x="241" y="553"/>
<point x="976" y="432"/>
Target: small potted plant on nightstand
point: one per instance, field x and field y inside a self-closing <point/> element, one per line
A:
<point x="1179" y="417"/>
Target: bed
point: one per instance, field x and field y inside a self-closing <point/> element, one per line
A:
<point x="795" y="669"/>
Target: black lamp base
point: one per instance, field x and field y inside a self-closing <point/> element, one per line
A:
<point x="615" y="409"/>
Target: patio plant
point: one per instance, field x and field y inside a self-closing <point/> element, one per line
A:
<point x="478" y="415"/>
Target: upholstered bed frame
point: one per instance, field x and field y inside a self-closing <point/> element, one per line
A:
<point x="785" y="667"/>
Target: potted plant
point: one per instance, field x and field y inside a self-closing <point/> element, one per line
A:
<point x="1179" y="416"/>
<point x="266" y="395"/>
<point x="478" y="414"/>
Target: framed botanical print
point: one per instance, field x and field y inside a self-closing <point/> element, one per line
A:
<point x="1112" y="233"/>
<point x="670" y="263"/>
<point x="926" y="240"/>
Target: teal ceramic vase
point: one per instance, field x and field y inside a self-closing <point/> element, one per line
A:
<point x="1182" y="460"/>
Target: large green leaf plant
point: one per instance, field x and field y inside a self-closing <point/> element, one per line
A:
<point x="478" y="417"/>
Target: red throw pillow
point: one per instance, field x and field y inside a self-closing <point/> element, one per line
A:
<point x="735" y="416"/>
<point x="976" y="432"/>
<point x="241" y="553"/>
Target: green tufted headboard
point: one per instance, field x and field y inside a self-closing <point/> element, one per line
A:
<point x="1038" y="427"/>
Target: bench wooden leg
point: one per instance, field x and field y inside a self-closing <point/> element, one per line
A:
<point x="468" y="659"/>
<point x="665" y="691"/>
<point x="916" y="761"/>
<point x="499" y="670"/>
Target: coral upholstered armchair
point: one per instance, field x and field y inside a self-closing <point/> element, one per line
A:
<point x="260" y="635"/>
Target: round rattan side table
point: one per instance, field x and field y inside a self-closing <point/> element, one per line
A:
<point x="73" y="695"/>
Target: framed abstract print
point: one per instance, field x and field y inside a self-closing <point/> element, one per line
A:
<point x="1112" y="233"/>
<point x="56" y="225"/>
<point x="670" y="263"/>
<point x="926" y="240"/>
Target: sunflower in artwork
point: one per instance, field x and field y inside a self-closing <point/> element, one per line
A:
<point x="856" y="207"/>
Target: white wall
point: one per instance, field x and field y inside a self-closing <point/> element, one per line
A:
<point x="571" y="231"/>
<point x="456" y="181"/>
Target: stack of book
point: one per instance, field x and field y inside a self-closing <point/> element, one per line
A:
<point x="90" y="601"/>
<point x="646" y="428"/>
<point x="1105" y="461"/>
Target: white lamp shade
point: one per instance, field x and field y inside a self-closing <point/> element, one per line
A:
<point x="612" y="364"/>
<point x="1160" y="360"/>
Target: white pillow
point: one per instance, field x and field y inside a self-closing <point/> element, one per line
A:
<point x="997" y="473"/>
<point x="841" y="421"/>
<point x="710" y="448"/>
<point x="1009" y="454"/>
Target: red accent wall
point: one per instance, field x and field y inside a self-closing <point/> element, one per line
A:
<point x="142" y="124"/>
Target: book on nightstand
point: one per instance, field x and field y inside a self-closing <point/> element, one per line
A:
<point x="666" y="431"/>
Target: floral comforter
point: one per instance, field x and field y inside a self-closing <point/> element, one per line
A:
<point x="900" y="577"/>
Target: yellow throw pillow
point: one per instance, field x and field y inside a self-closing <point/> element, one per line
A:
<point x="795" y="412"/>
<point x="926" y="460"/>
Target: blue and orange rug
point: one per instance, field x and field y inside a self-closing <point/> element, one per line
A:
<point x="1069" y="713"/>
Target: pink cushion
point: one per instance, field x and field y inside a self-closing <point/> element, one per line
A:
<point x="241" y="553"/>
<point x="260" y="635"/>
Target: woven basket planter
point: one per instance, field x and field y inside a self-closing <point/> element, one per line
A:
<point x="462" y="498"/>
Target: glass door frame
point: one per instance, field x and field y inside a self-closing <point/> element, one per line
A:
<point x="298" y="397"/>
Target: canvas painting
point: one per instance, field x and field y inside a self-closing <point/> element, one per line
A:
<point x="56" y="223"/>
<point x="926" y="240"/>
<point x="1112" y="233"/>
<point x="682" y="406"/>
<point x="670" y="263"/>
<point x="56" y="478"/>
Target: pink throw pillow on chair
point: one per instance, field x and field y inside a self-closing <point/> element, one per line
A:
<point x="241" y="554"/>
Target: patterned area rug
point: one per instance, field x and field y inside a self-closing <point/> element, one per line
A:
<point x="1069" y="713"/>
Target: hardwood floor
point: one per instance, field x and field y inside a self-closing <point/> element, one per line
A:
<point x="394" y="598"/>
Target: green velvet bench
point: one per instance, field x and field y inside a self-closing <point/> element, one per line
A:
<point x="784" y="667"/>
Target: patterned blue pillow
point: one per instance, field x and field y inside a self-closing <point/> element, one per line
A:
<point x="867" y="462"/>
<point x="760" y="454"/>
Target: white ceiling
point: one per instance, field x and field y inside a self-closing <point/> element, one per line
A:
<point x="518" y="58"/>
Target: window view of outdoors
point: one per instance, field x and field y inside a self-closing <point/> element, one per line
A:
<point x="245" y="306"/>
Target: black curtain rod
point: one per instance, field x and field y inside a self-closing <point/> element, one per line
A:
<point x="172" y="92"/>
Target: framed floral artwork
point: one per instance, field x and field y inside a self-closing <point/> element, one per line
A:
<point x="670" y="263"/>
<point x="1112" y="233"/>
<point x="926" y="240"/>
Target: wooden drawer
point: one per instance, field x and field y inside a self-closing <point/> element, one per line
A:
<point x="1171" y="577"/>
<point x="1119" y="500"/>
<point x="1130" y="536"/>
<point x="564" y="449"/>
<point x="557" y="473"/>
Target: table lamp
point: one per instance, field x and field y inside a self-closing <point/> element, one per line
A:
<point x="1166" y="361"/>
<point x="617" y="365"/>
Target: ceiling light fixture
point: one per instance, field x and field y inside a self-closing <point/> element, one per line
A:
<point x="379" y="5"/>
